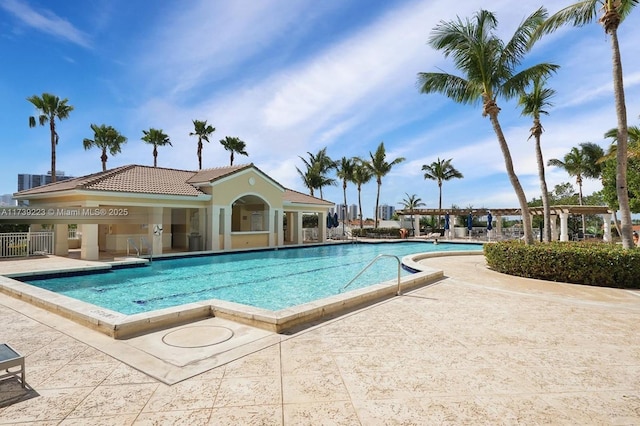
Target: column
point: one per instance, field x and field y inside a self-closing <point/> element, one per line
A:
<point x="155" y="230"/>
<point x="227" y="228"/>
<point x="564" y="226"/>
<point x="215" y="228"/>
<point x="498" y="227"/>
<point x="322" y="227"/>
<point x="271" y="226"/>
<point x="299" y="237"/>
<point x="279" y="228"/>
<point x="61" y="239"/>
<point x="89" y="249"/>
<point x="554" y="227"/>
<point x="607" y="227"/>
<point x="416" y="225"/>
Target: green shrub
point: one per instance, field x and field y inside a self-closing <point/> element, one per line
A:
<point x="376" y="232"/>
<point x="591" y="263"/>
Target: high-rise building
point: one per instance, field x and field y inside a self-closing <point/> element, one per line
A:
<point x="7" y="200"/>
<point x="385" y="212"/>
<point x="28" y="181"/>
<point x="353" y="212"/>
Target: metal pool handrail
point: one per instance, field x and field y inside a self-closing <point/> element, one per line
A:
<point x="378" y="257"/>
<point x="131" y="243"/>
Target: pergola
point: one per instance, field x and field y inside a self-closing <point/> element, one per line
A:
<point x="561" y="211"/>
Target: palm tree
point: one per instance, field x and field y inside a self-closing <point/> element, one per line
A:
<point x="156" y="138"/>
<point x="582" y="163"/>
<point x="361" y="174"/>
<point x="411" y="203"/>
<point x="202" y="130"/>
<point x="533" y="104"/>
<point x="633" y="146"/>
<point x="489" y="66"/>
<point x="344" y="171"/>
<point x="234" y="146"/>
<point x="380" y="167"/>
<point x="311" y="177"/>
<point x="318" y="167"/>
<point x="105" y="138"/>
<point x="441" y="171"/>
<point x="613" y="13"/>
<point x="49" y="108"/>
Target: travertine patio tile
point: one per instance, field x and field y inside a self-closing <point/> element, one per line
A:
<point x="606" y="408"/>
<point x="73" y="375"/>
<point x="60" y="351"/>
<point x="255" y="415"/>
<point x="188" y="395"/>
<point x="243" y="391"/>
<point x="114" y="400"/>
<point x="262" y="363"/>
<point x="375" y="385"/>
<point x="50" y="404"/>
<point x="457" y="410"/>
<point x="528" y="409"/>
<point x="125" y="375"/>
<point x="298" y="363"/>
<point x="118" y="420"/>
<point x="329" y="413"/>
<point x="176" y="418"/>
<point x="313" y="388"/>
<point x="390" y="412"/>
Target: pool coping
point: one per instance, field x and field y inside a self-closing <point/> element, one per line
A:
<point x="121" y="326"/>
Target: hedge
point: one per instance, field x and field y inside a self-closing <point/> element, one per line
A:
<point x="590" y="263"/>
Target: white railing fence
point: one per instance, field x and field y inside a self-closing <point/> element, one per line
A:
<point x="22" y="244"/>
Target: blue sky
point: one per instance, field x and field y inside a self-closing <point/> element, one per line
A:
<point x="290" y="78"/>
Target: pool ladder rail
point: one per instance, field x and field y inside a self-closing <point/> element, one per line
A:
<point x="143" y="242"/>
<point x="378" y="257"/>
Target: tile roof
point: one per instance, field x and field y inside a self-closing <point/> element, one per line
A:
<point x="156" y="180"/>
<point x="132" y="179"/>
<point x="299" y="198"/>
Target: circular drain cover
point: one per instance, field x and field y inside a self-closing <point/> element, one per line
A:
<point x="197" y="336"/>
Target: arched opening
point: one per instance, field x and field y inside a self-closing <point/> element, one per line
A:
<point x="249" y="213"/>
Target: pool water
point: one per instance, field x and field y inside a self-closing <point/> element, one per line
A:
<point x="272" y="279"/>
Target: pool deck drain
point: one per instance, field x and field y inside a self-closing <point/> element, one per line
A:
<point x="197" y="337"/>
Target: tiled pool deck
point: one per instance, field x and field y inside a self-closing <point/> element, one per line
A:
<point x="476" y="347"/>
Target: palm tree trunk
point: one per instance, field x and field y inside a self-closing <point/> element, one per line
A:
<point x="52" y="128"/>
<point x="360" y="207"/>
<point x="546" y="210"/>
<point x="584" y="221"/>
<point x="103" y="157"/>
<point x="199" y="154"/>
<point x="508" y="162"/>
<point x="344" y="211"/>
<point x="377" y="201"/>
<point x="439" y="203"/>
<point x="623" y="134"/>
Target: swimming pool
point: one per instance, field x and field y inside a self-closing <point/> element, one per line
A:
<point x="272" y="279"/>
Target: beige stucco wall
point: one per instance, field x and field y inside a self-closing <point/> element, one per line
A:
<point x="242" y="240"/>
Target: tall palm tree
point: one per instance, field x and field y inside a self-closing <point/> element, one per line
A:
<point x="202" y="130"/>
<point x="411" y="203"/>
<point x="50" y="107"/>
<point x="105" y="138"/>
<point x="633" y="146"/>
<point x="380" y="167"/>
<point x="344" y="171"/>
<point x="581" y="162"/>
<point x="234" y="146"/>
<point x="440" y="171"/>
<point x="489" y="66"/>
<point x="310" y="177"/>
<point x="361" y="174"/>
<point x="533" y="104"/>
<point x="318" y="167"/>
<point x="611" y="14"/>
<point x="155" y="137"/>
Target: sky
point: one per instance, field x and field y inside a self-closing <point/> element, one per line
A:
<point x="290" y="78"/>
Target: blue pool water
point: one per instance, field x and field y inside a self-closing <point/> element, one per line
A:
<point x="273" y="279"/>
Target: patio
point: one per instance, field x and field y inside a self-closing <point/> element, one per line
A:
<point x="476" y="347"/>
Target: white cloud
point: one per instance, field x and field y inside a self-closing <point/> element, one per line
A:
<point x="46" y="22"/>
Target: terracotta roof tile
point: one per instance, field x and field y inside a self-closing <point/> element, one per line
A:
<point x="292" y="196"/>
<point x="210" y="175"/>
